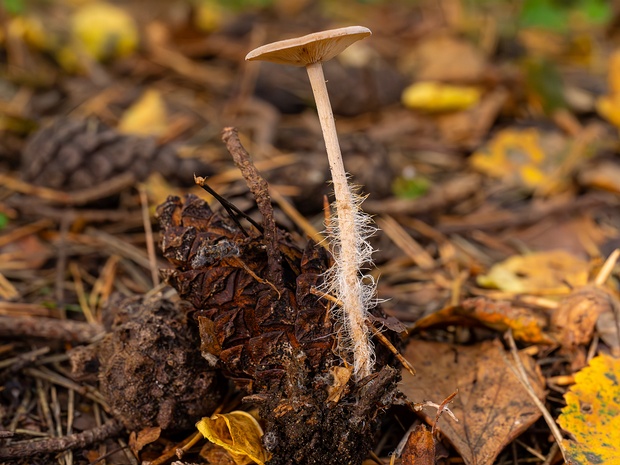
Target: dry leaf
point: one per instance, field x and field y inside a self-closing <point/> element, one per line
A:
<point x="592" y="414"/>
<point x="143" y="437"/>
<point x="467" y="128"/>
<point x="420" y="447"/>
<point x="492" y="406"/>
<point x="459" y="60"/>
<point x="522" y="157"/>
<point x="436" y="97"/>
<point x="147" y="116"/>
<point x="574" y="320"/>
<point x="526" y="324"/>
<point x="603" y="175"/>
<point x="608" y="106"/>
<point x="104" y="31"/>
<point x="239" y="433"/>
<point x="341" y="376"/>
<point x="537" y="273"/>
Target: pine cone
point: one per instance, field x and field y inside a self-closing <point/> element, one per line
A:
<point x="71" y="154"/>
<point x="277" y="343"/>
<point x="218" y="270"/>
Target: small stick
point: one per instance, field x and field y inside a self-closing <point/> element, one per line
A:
<point x="260" y="189"/>
<point x="49" y="328"/>
<point x="519" y="371"/>
<point x="22" y="449"/>
<point x="79" y="197"/>
<point x="148" y="231"/>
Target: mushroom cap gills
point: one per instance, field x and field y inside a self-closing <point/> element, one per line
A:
<point x="311" y="48"/>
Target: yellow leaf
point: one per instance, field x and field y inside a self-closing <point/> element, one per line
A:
<point x="537" y="273"/>
<point x="592" y="414"/>
<point x="518" y="156"/>
<point x="613" y="75"/>
<point x="436" y="97"/>
<point x="147" y="116"/>
<point x="104" y="31"/>
<point x="208" y="15"/>
<point x="31" y="30"/>
<point x="608" y="106"/>
<point x="239" y="433"/>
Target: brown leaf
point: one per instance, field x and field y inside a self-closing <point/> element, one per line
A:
<point x="420" y="447"/>
<point x="143" y="437"/>
<point x="492" y="406"/>
<point x="577" y="313"/>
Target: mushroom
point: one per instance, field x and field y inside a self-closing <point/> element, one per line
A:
<point x="350" y="229"/>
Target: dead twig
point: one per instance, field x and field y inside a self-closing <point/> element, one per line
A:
<point x="260" y="189"/>
<point x="519" y="371"/>
<point x="24" y="449"/>
<point x="49" y="328"/>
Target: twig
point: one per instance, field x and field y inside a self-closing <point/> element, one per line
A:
<point x="24" y="449"/>
<point x="148" y="231"/>
<point x="519" y="371"/>
<point x="260" y="189"/>
<point x="49" y="328"/>
<point x="79" y="197"/>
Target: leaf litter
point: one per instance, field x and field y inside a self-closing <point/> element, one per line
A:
<point x="496" y="187"/>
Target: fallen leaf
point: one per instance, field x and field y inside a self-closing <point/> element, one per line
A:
<point x="523" y="157"/>
<point x="467" y="128"/>
<point x="137" y="441"/>
<point x="341" y="376"/>
<point x="492" y="406"/>
<point x="604" y="175"/>
<point x="554" y="271"/>
<point x="592" y="414"/>
<point x="574" y="320"/>
<point x="147" y="116"/>
<point x="607" y="329"/>
<point x="436" y="97"/>
<point x="608" y="105"/>
<point x="239" y="433"/>
<point x="526" y="324"/>
<point x="420" y="447"/>
<point x="104" y="31"/>
<point x="459" y="60"/>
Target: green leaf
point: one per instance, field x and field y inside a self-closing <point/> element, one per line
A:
<point x="556" y="14"/>
<point x="4" y="221"/>
<point x="410" y="188"/>
<point x="14" y="7"/>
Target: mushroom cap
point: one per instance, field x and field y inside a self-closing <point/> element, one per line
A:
<point x="311" y="48"/>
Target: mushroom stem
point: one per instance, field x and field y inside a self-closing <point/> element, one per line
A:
<point x="350" y="251"/>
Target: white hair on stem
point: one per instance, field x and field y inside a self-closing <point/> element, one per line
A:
<point x="354" y="289"/>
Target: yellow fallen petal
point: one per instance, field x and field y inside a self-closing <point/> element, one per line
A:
<point x="437" y="97"/>
<point x="239" y="433"/>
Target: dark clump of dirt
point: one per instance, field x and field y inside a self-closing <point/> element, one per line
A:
<point x="149" y="366"/>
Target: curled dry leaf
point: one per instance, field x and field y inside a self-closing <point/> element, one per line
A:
<point x="574" y="320"/>
<point x="239" y="433"/>
<point x="420" y="447"/>
<point x="492" y="406"/>
<point x="138" y="440"/>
